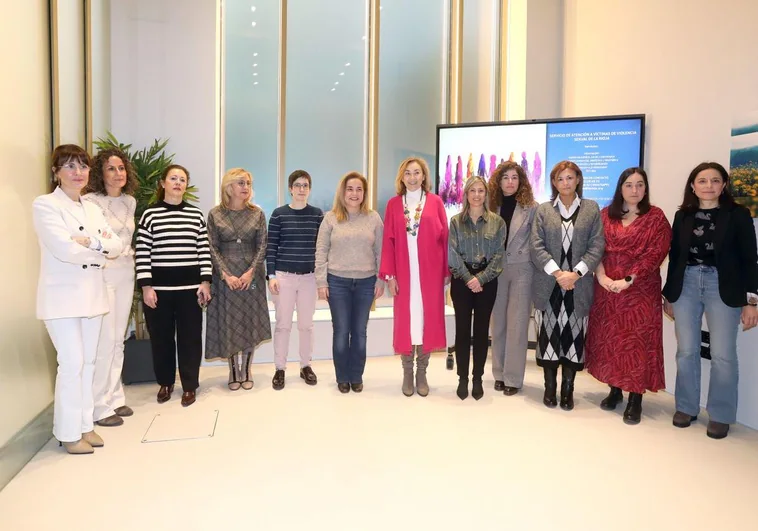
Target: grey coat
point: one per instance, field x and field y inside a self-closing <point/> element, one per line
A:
<point x="520" y="235"/>
<point x="588" y="245"/>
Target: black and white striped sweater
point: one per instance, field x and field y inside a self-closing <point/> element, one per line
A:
<point x="172" y="251"/>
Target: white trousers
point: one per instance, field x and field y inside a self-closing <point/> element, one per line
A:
<point x="107" y="387"/>
<point x="75" y="340"/>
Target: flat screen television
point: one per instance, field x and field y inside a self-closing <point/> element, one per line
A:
<point x="602" y="146"/>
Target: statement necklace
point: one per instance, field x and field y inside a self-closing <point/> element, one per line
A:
<point x="411" y="226"/>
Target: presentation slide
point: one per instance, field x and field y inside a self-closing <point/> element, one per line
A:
<point x="601" y="147"/>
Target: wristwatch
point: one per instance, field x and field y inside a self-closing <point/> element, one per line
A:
<point x="752" y="300"/>
<point x="629" y="280"/>
<point x="578" y="272"/>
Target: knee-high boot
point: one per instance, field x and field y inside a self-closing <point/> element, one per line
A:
<point x="551" y="384"/>
<point x="407" y="361"/>
<point x="246" y="358"/>
<point x="235" y="378"/>
<point x="422" y="362"/>
<point x="567" y="388"/>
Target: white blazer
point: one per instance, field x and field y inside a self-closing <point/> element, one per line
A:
<point x="71" y="280"/>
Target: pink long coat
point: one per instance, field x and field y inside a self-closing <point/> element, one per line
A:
<point x="432" y="251"/>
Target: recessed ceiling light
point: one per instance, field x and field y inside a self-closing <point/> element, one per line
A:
<point x="254" y="23"/>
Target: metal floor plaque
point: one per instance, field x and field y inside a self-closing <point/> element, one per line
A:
<point x="181" y="426"/>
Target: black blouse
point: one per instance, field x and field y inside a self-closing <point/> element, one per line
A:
<point x="703" y="237"/>
<point x="506" y="212"/>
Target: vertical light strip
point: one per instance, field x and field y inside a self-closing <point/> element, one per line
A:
<point x="372" y="139"/>
<point x="501" y="69"/>
<point x="282" y="102"/>
<point x="455" y="81"/>
<point x="220" y="141"/>
<point x="444" y="106"/>
<point x="88" y="96"/>
<point x="54" y="50"/>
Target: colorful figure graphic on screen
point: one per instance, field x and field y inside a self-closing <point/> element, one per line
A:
<point x="493" y="164"/>
<point x="457" y="195"/>
<point x="537" y="174"/>
<point x="512" y="158"/>
<point x="447" y="182"/>
<point x="525" y="163"/>
<point x="482" y="167"/>
<point x="469" y="170"/>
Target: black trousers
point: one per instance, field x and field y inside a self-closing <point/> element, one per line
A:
<point x="177" y="321"/>
<point x="466" y="302"/>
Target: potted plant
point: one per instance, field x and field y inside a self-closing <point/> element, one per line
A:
<point x="149" y="164"/>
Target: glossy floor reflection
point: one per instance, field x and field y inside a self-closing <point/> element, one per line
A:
<point x="311" y="458"/>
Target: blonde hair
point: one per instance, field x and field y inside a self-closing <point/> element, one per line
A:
<point x="471" y="181"/>
<point x="400" y="185"/>
<point x="339" y="208"/>
<point x="230" y="177"/>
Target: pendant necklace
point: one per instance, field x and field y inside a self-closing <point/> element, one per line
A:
<point x="234" y="227"/>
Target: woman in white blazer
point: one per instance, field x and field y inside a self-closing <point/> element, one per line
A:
<point x="75" y="242"/>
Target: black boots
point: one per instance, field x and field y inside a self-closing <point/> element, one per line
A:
<point x="633" y="409"/>
<point x="462" y="390"/>
<point x="477" y="391"/>
<point x="614" y="398"/>
<point x="567" y="388"/>
<point x="551" y="377"/>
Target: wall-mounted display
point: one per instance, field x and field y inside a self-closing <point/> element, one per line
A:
<point x="602" y="147"/>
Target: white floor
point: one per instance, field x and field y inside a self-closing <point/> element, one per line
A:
<point x="311" y="458"/>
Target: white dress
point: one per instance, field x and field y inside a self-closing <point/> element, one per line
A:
<point x="412" y="200"/>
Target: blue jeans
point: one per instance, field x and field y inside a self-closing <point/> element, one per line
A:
<point x="350" y="302"/>
<point x="700" y="294"/>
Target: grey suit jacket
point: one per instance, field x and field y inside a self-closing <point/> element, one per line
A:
<point x="520" y="235"/>
<point x="588" y="245"/>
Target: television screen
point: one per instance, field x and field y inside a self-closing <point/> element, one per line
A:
<point x="602" y="147"/>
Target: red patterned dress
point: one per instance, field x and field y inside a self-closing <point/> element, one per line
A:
<point x="624" y="346"/>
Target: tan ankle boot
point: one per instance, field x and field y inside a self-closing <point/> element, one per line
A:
<point x="407" y="374"/>
<point x="79" y="447"/>
<point x="422" y="362"/>
<point x="93" y="439"/>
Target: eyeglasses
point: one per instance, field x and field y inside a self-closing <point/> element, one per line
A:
<point x="303" y="186"/>
<point x="74" y="167"/>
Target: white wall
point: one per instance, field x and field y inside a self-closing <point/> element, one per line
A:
<point x="27" y="363"/>
<point x="163" y="82"/>
<point x="691" y="68"/>
<point x="544" y="59"/>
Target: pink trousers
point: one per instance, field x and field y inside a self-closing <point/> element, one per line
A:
<point x="295" y="292"/>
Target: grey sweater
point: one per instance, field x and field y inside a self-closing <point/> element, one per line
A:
<point x="588" y="245"/>
<point x="350" y="249"/>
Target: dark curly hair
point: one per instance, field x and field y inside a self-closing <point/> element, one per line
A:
<point x="524" y="194"/>
<point x="97" y="183"/>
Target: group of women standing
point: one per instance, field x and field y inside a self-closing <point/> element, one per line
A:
<point x="500" y="254"/>
<point x="554" y="256"/>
